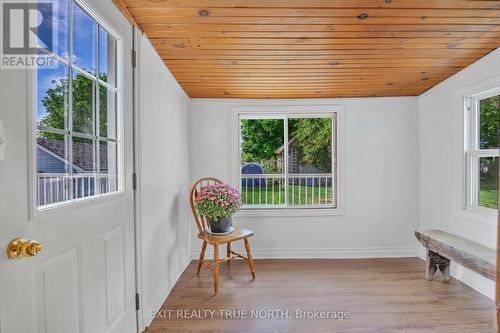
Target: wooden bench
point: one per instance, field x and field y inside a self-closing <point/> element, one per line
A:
<point x="443" y="247"/>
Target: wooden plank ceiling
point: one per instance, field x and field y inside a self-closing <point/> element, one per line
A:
<point x="316" y="48"/>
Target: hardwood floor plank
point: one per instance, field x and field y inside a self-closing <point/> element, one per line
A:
<point x="382" y="295"/>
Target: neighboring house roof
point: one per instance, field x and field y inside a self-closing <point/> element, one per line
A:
<point x="82" y="153"/>
<point x="49" y="162"/>
<point x="279" y="151"/>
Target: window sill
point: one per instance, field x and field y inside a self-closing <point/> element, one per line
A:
<point x="288" y="212"/>
<point x="486" y="216"/>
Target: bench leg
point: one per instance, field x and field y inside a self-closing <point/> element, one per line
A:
<point x="435" y="261"/>
<point x="430" y="268"/>
<point x="445" y="270"/>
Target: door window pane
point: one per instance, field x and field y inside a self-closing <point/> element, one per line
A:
<point x="107" y="57"/>
<point x="310" y="161"/>
<point x="84" y="40"/>
<point x="262" y="154"/>
<point x="52" y="168"/>
<point x="83" y="103"/>
<point x="489" y="118"/>
<point x="488" y="182"/>
<point x="84" y="167"/>
<point x="107" y="113"/>
<point x="52" y="34"/>
<point x="84" y="156"/>
<point x="61" y="28"/>
<point x="52" y="96"/>
<point x="61" y="23"/>
<point x="108" y="167"/>
<point x="42" y="28"/>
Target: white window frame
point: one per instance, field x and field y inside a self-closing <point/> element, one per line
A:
<point x="473" y="153"/>
<point x="285" y="112"/>
<point x="33" y="184"/>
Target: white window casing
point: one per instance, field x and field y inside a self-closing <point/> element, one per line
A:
<point x="473" y="152"/>
<point x="334" y="112"/>
<point x="116" y="122"/>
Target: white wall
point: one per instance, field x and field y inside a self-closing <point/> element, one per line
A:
<point x="163" y="178"/>
<point x="380" y="180"/>
<point x="441" y="116"/>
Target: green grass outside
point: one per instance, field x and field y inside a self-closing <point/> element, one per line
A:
<point x="296" y="194"/>
<point x="488" y="194"/>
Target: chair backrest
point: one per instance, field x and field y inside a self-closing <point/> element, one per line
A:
<point x="201" y="221"/>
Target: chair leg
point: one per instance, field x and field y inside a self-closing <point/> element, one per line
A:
<point x="250" y="259"/>
<point x="202" y="257"/>
<point x="216" y="268"/>
<point x="228" y="252"/>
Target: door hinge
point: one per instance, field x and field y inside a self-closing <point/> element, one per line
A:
<point x="134" y="58"/>
<point x="134" y="181"/>
<point x="137" y="302"/>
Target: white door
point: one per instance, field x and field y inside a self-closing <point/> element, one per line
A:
<point x="83" y="279"/>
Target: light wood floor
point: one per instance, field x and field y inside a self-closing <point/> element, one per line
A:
<point x="382" y="295"/>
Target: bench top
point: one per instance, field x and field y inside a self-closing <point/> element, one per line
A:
<point x="472" y="255"/>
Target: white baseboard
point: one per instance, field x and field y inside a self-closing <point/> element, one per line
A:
<point x="162" y="295"/>
<point x="476" y="281"/>
<point x="325" y="253"/>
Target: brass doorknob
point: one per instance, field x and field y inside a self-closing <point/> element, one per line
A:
<point x="20" y="247"/>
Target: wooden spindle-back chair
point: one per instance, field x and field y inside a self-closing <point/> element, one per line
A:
<point x="216" y="240"/>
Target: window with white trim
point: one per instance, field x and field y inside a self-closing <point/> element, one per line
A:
<point x="482" y="149"/>
<point x="77" y="142"/>
<point x="298" y="174"/>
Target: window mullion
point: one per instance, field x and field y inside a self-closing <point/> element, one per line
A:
<point x="108" y="86"/>
<point x="474" y="195"/>
<point x="472" y="179"/>
<point x="97" y="112"/>
<point x="285" y="124"/>
<point x="485" y="152"/>
<point x="333" y="170"/>
<point x="53" y="130"/>
<point x="70" y="99"/>
<point x="474" y="112"/>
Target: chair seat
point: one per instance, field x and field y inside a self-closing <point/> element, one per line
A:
<point x="237" y="234"/>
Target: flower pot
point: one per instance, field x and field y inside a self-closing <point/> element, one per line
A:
<point x="222" y="226"/>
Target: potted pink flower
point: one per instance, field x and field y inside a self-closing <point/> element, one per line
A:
<point x="218" y="203"/>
